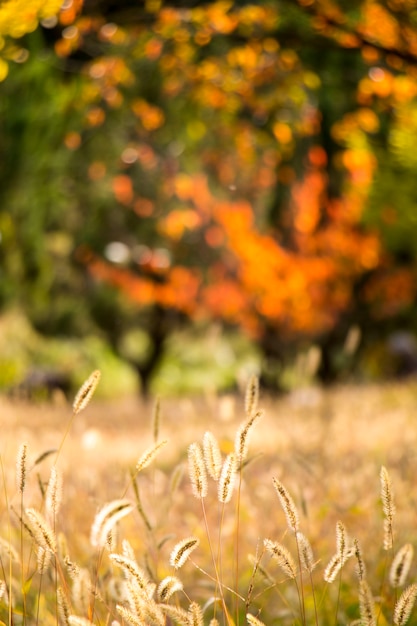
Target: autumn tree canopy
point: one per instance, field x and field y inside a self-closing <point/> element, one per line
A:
<point x="246" y="162"/>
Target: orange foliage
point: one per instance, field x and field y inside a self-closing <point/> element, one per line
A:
<point x="177" y="222"/>
<point x="391" y="291"/>
<point x="72" y="140"/>
<point x="297" y="274"/>
<point x="70" y="11"/>
<point x="225" y="300"/>
<point x="123" y="189"/>
<point x="143" y="207"/>
<point x="302" y="288"/>
<point x="307" y="202"/>
<point x="179" y="289"/>
<point x="151" y="116"/>
<point x="379" y="25"/>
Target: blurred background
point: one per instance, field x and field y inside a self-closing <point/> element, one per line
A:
<point x="192" y="192"/>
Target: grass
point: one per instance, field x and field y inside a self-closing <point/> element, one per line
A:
<point x="293" y="511"/>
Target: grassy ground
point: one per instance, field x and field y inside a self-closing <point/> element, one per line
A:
<point x="327" y="448"/>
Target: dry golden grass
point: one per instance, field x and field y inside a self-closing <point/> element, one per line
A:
<point x="325" y="451"/>
<point x="327" y="447"/>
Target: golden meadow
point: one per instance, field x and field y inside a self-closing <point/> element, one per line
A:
<point x="299" y="510"/>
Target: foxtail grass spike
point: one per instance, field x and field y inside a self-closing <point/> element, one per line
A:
<point x="167" y="587"/>
<point x="252" y="396"/>
<point x="21" y="467"/>
<point x="360" y="564"/>
<point x="149" y="455"/>
<point x="131" y="568"/>
<point x="182" y="551"/>
<point x="253" y="621"/>
<point x="197" y="471"/>
<point x="106" y="519"/>
<point x="288" y="505"/>
<point x="404" y="605"/>
<point x="212" y="455"/>
<point x="227" y="479"/>
<point x="175" y="613"/>
<point x="53" y="496"/>
<point x="282" y="556"/>
<point x="333" y="568"/>
<point x="64" y="611"/>
<point x="366" y="605"/>
<point x="156" y="419"/>
<point x="388" y="507"/>
<point x="306" y="552"/>
<point x="86" y="391"/>
<point x="41" y="530"/>
<point x="342" y="541"/>
<point x="401" y="565"/>
<point x="242" y="437"/>
<point x="195" y="615"/>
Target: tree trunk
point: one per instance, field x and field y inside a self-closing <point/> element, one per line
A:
<point x="158" y="331"/>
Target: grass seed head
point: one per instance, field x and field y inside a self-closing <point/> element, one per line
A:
<point x="53" y="496"/>
<point x="197" y="471"/>
<point x="64" y="611"/>
<point x="333" y="568"/>
<point x="127" y="550"/>
<point x="342" y="542"/>
<point x="195" y="615"/>
<point x="85" y="392"/>
<point x="227" y="479"/>
<point x="41" y="530"/>
<point x="212" y="455"/>
<point x="404" y="605"/>
<point x="401" y="565"/>
<point x="288" y="505"/>
<point x="153" y="613"/>
<point x="175" y="613"/>
<point x="131" y="569"/>
<point x="253" y="621"/>
<point x="366" y="605"/>
<point x="387" y="494"/>
<point x="129" y="617"/>
<point x="360" y="564"/>
<point x="282" y="556"/>
<point x="106" y="519"/>
<point x="21" y="467"/>
<point x="182" y="551"/>
<point x="167" y="587"/>
<point x="306" y="552"/>
<point x="149" y="455"/>
<point x="388" y="542"/>
<point x="242" y="437"/>
<point x="252" y="396"/>
<point x="43" y="559"/>
<point x="156" y="419"/>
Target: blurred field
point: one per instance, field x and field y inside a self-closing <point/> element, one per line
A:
<point x="326" y="446"/>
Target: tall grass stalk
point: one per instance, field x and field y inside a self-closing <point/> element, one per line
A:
<point x="81" y="401"/>
<point x="129" y="570"/>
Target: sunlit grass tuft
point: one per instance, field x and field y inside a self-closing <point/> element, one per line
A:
<point x="217" y="544"/>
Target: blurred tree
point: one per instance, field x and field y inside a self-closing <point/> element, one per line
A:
<point x="18" y="17"/>
<point x="233" y="161"/>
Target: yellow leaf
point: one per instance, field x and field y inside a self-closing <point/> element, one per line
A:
<point x="4" y="69"/>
